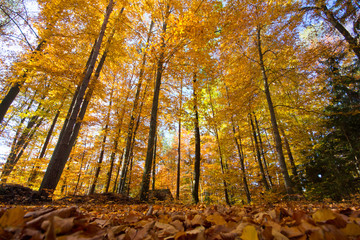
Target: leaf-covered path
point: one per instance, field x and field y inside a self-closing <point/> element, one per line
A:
<point x="91" y="220"/>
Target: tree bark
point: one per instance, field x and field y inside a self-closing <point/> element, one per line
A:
<point x="103" y="143"/>
<point x="144" y="189"/>
<point x="222" y="167"/>
<point x="59" y="159"/>
<point x="266" y="184"/>
<point x="126" y="159"/>
<point x="35" y="171"/>
<point x="262" y="152"/>
<point x="179" y="146"/>
<point x="15" y="88"/>
<point x="195" y="192"/>
<point x="275" y="128"/>
<point x="20" y="144"/>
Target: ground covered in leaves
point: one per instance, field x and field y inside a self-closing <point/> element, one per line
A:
<point x="111" y="216"/>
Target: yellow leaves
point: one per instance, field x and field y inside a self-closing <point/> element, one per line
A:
<point x="323" y="215"/>
<point x="216" y="218"/>
<point x="351" y="229"/>
<point x="12" y="218"/>
<point x="249" y="233"/>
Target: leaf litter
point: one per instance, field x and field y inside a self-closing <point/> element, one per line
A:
<point x="288" y="220"/>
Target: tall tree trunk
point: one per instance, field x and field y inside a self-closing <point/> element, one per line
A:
<point x="144" y="189"/>
<point x="154" y="166"/>
<point x="35" y="171"/>
<point x="291" y="158"/>
<point x="257" y="150"/>
<point x="58" y="160"/>
<point x="195" y="190"/>
<point x="119" y="127"/>
<point x="179" y="145"/>
<point x="242" y="162"/>
<point x="275" y="128"/>
<point x="126" y="159"/>
<point x="219" y="151"/>
<point x="103" y="143"/>
<point x="133" y="140"/>
<point x="262" y="151"/>
<point x="15" y="87"/>
<point x="20" y="145"/>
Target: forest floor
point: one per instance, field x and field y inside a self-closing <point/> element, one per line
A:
<point x="113" y="216"/>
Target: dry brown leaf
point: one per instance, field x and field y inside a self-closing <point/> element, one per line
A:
<point x="60" y="225"/>
<point x="165" y="229"/>
<point x="323" y="215"/>
<point x="351" y="229"/>
<point x="249" y="233"/>
<point x="63" y="213"/>
<point x="197" y="233"/>
<point x="197" y="220"/>
<point x="12" y="218"/>
<point x="291" y="232"/>
<point x="216" y="218"/>
<point x="142" y="233"/>
<point x="278" y="236"/>
<point x="178" y="225"/>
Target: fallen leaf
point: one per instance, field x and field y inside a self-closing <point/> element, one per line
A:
<point x="60" y="225"/>
<point x="13" y="218"/>
<point x="291" y="232"/>
<point x="323" y="215"/>
<point x="351" y="229"/>
<point x="249" y="233"/>
<point x="216" y="218"/>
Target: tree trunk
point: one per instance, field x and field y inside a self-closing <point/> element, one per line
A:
<point x="15" y="88"/>
<point x="195" y="191"/>
<point x="19" y="145"/>
<point x="154" y="166"/>
<point x="35" y="171"/>
<point x="219" y="151"/>
<point x="179" y="145"/>
<point x="266" y="184"/>
<point x="262" y="152"/>
<point x="126" y="159"/>
<point x="144" y="189"/>
<point x="242" y="164"/>
<point x="291" y="160"/>
<point x="58" y="160"/>
<point x="103" y="143"/>
<point x="277" y="138"/>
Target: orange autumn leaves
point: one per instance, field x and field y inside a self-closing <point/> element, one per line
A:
<point x="181" y="222"/>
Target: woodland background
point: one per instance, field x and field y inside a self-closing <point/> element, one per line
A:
<point x="218" y="101"/>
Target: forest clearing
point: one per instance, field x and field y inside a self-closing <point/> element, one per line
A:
<point x="168" y="119"/>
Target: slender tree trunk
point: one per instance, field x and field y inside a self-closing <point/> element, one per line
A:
<point x="58" y="160"/>
<point x="195" y="191"/>
<point x="179" y="146"/>
<point x="35" y="171"/>
<point x="262" y="152"/>
<point x="266" y="184"/>
<point x="80" y="172"/>
<point x="102" y="151"/>
<point x="291" y="158"/>
<point x="118" y="172"/>
<point x="15" y="88"/>
<point x="126" y="159"/>
<point x="20" y="145"/>
<point x="242" y="164"/>
<point x="154" y="166"/>
<point x="219" y="151"/>
<point x="144" y="189"/>
<point x="275" y="128"/>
